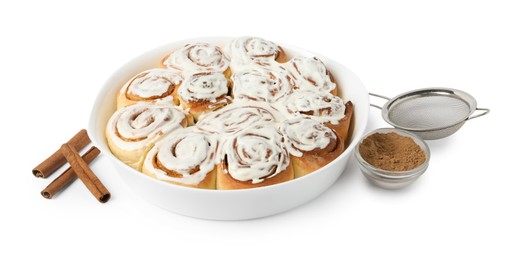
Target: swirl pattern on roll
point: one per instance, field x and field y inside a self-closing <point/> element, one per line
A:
<point x="185" y="157"/>
<point x="235" y="117"/>
<point x="254" y="154"/>
<point x="310" y="74"/>
<point x="203" y="86"/>
<point x="319" y="106"/>
<point x="137" y="125"/>
<point x="198" y="57"/>
<point x="262" y="83"/>
<point x="304" y="135"/>
<point x="245" y="50"/>
<point x="152" y="85"/>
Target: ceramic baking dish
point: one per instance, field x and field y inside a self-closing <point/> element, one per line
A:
<point x="226" y="204"/>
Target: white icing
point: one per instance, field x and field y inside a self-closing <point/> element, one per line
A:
<point x="319" y="106"/>
<point x="237" y="116"/>
<point x="255" y="153"/>
<point x="245" y="50"/>
<point x="182" y="152"/>
<point x="303" y="134"/>
<point x="134" y="127"/>
<point x="310" y="74"/>
<point x="262" y="82"/>
<point x="152" y="84"/>
<point x="203" y="87"/>
<point x="168" y="100"/>
<point x="198" y="57"/>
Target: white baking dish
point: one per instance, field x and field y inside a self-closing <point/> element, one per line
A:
<point x="226" y="204"/>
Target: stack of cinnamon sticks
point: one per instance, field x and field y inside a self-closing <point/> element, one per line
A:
<point x="68" y="152"/>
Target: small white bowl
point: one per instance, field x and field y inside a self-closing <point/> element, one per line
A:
<point x="226" y="204"/>
<point x="393" y="179"/>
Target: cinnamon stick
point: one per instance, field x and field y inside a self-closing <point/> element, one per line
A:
<point x="56" y="160"/>
<point x="68" y="176"/>
<point x="84" y="173"/>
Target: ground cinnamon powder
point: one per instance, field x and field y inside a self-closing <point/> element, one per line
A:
<point x="391" y="152"/>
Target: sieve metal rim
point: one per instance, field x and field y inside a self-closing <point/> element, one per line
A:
<point x="424" y="92"/>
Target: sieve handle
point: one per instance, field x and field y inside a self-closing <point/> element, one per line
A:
<point x="486" y="110"/>
<point x="380" y="96"/>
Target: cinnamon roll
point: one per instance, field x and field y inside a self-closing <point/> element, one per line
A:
<point x="132" y="130"/>
<point x="202" y="92"/>
<point x="185" y="158"/>
<point x="262" y="82"/>
<point x="311" y="74"/>
<point x="246" y="50"/>
<point x="321" y="107"/>
<point x="311" y="144"/>
<point x="253" y="157"/>
<point x="198" y="57"/>
<point x="154" y="85"/>
<point x="236" y="117"/>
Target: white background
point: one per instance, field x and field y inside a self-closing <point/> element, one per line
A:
<point x="470" y="204"/>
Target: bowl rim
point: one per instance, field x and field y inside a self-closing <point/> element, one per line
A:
<point x="354" y="139"/>
<point x="395" y="175"/>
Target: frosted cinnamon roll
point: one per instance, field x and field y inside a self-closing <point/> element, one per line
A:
<point x="262" y="83"/>
<point x="198" y="57"/>
<point x="246" y="50"/>
<point x="311" y="74"/>
<point x="253" y="157"/>
<point x="154" y="85"/>
<point x="132" y="130"/>
<point x="202" y="92"/>
<point x="236" y="117"/>
<point x="321" y="107"/>
<point x="186" y="158"/>
<point x="311" y="144"/>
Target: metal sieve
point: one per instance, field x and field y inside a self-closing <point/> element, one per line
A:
<point x="430" y="113"/>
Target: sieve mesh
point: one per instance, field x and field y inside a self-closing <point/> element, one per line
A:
<point x="423" y="112"/>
